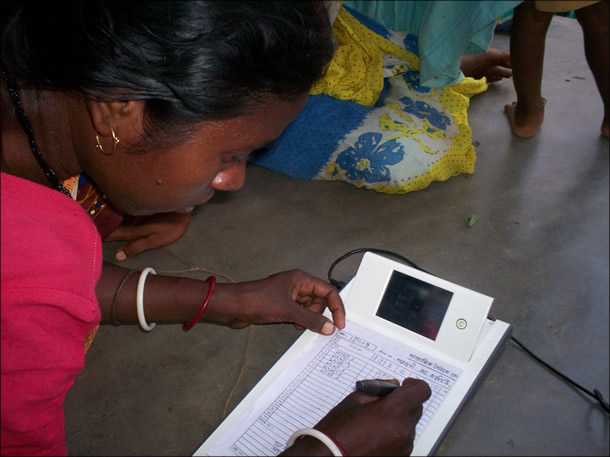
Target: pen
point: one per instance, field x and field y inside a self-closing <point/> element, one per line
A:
<point x="375" y="387"/>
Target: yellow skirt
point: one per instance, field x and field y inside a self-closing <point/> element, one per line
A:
<point x="369" y="123"/>
<point x="432" y="127"/>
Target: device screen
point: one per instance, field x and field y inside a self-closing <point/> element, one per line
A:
<point x="414" y="304"/>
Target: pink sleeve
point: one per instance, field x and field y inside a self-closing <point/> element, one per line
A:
<point x="51" y="262"/>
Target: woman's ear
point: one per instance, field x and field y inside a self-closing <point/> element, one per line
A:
<point x="118" y="118"/>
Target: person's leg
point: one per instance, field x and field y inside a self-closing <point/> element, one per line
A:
<point x="527" y="40"/>
<point x="494" y="65"/>
<point x="594" y="22"/>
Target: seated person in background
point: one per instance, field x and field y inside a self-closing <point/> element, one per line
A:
<point x="390" y="114"/>
<point x="160" y="103"/>
<point x="469" y="26"/>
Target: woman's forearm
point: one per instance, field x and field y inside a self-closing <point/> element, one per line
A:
<point x="167" y="299"/>
<point x="292" y="296"/>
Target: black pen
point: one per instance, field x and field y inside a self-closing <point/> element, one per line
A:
<point x="375" y="387"/>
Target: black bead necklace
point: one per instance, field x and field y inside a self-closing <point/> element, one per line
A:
<point x="27" y="128"/>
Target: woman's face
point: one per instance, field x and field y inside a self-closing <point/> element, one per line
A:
<point x="184" y="176"/>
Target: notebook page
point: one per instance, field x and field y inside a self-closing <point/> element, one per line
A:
<point x="323" y="374"/>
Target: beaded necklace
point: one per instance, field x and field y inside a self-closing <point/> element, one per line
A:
<point x="27" y="128"/>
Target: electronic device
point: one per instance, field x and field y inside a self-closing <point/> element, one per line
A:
<point x="401" y="322"/>
<point x="399" y="300"/>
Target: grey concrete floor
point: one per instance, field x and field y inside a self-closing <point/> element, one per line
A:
<point x="540" y="248"/>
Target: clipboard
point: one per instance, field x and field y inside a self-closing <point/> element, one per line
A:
<point x="276" y="407"/>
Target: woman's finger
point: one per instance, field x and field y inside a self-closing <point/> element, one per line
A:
<point x="311" y="320"/>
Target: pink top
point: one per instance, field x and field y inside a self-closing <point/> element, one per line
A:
<point x="51" y="261"/>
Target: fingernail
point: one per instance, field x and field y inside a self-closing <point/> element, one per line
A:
<point x="328" y="329"/>
<point x="120" y="255"/>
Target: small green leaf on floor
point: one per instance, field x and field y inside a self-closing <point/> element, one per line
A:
<point x="470" y="221"/>
<point x="511" y="443"/>
<point x="475" y="143"/>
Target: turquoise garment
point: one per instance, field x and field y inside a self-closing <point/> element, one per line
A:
<point x="445" y="30"/>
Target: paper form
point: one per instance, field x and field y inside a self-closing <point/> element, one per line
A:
<point x="323" y="374"/>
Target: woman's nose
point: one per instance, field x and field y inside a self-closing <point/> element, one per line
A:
<point x="231" y="178"/>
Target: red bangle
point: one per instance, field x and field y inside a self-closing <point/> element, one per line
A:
<point x="336" y="443"/>
<point x="188" y="325"/>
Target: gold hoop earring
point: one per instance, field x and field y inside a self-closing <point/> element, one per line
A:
<point x="114" y="139"/>
<point x="99" y="145"/>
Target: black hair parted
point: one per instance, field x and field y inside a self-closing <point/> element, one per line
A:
<point x="190" y="60"/>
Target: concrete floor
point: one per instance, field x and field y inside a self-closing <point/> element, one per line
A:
<point x="540" y="248"/>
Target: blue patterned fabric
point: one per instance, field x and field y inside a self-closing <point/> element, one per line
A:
<point x="370" y="149"/>
<point x="412" y="136"/>
<point x="305" y="145"/>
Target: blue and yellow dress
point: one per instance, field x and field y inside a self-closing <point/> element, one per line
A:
<point x="371" y="123"/>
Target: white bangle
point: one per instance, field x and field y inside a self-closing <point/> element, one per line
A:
<point x="330" y="444"/>
<point x="140" y="299"/>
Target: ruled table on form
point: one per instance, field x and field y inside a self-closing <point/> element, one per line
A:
<point x="319" y="379"/>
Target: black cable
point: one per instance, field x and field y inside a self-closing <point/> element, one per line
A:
<point x="341" y="284"/>
<point x="596" y="394"/>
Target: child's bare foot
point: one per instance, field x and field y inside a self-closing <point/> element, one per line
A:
<point x="494" y="65"/>
<point x="525" y="122"/>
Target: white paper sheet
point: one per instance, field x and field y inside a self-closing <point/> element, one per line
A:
<point x="326" y="372"/>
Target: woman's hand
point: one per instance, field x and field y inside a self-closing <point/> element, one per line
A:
<point x="144" y="233"/>
<point x="369" y="425"/>
<point x="292" y="296"/>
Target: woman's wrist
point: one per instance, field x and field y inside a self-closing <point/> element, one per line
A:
<point x="166" y="299"/>
<point x="188" y="325"/>
<point x="227" y="304"/>
<point x="170" y="299"/>
<point x="308" y="445"/>
<point x="174" y="300"/>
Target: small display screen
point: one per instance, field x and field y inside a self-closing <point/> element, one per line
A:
<point x="414" y="304"/>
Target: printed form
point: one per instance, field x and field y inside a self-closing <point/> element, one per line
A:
<point x="323" y="374"/>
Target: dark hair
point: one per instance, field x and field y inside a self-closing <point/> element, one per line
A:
<point x="190" y="60"/>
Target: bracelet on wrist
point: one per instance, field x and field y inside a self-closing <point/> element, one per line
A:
<point x="325" y="438"/>
<point x="140" y="299"/>
<point x="188" y="325"/>
<point x="115" y="300"/>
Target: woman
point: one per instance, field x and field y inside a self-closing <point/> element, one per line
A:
<point x="160" y="104"/>
<point x="412" y="136"/>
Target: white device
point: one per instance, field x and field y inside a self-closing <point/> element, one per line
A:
<point x="393" y="298"/>
<point x="432" y="323"/>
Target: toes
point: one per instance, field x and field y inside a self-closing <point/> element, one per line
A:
<point x="498" y="73"/>
<point x="504" y="72"/>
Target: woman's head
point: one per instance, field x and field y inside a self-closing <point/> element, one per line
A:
<point x="190" y="61"/>
<point x="196" y="85"/>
